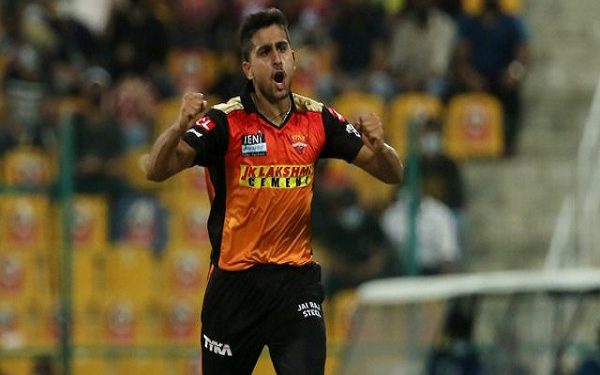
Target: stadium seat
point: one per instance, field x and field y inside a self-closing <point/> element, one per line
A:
<point x="473" y="127"/>
<point x="338" y="314"/>
<point x="185" y="271"/>
<point x="192" y="70"/>
<point x="131" y="273"/>
<point x="181" y="319"/>
<point x="90" y="223"/>
<point x="142" y="365"/>
<point x="17" y="276"/>
<point x="25" y="223"/>
<point x="13" y="327"/>
<point x="88" y="275"/>
<point x="134" y="170"/>
<point x="371" y="192"/>
<point x="86" y="365"/>
<point x="16" y="366"/>
<point x="188" y="221"/>
<point x="404" y="109"/>
<point x="28" y="167"/>
<point x="509" y="6"/>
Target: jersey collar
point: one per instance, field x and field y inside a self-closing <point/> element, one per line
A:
<point x="250" y="107"/>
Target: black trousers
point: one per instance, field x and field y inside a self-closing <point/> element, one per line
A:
<point x="273" y="305"/>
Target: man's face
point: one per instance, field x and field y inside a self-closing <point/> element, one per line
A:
<point x="271" y="64"/>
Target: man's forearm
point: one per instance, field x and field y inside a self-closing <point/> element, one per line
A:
<point x="389" y="166"/>
<point x="163" y="161"/>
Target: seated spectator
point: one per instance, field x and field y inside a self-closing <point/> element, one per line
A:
<point x="421" y="46"/>
<point x="440" y="175"/>
<point x="455" y="353"/>
<point x="356" y="247"/>
<point x="437" y="246"/>
<point x="98" y="139"/>
<point x="491" y="56"/>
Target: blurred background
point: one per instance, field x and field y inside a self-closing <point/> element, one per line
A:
<point x="491" y="104"/>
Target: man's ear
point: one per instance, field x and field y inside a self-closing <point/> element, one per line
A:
<point x="247" y="68"/>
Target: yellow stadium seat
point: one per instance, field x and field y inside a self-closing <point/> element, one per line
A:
<point x="509" y="6"/>
<point x="28" y="167"/>
<point x="131" y="273"/>
<point x="188" y="366"/>
<point x="17" y="274"/>
<point x="13" y="330"/>
<point x="181" y="319"/>
<point x="16" y="366"/>
<point x="134" y="170"/>
<point x="338" y="314"/>
<point x="87" y="365"/>
<point x="474" y="127"/>
<point x="188" y="221"/>
<point x="185" y="271"/>
<point x="25" y="222"/>
<point x="192" y="69"/>
<point x="88" y="275"/>
<point x="41" y="320"/>
<point x="142" y="365"/>
<point x="404" y="109"/>
<point x="371" y="192"/>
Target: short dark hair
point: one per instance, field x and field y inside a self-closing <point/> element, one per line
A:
<point x="256" y="21"/>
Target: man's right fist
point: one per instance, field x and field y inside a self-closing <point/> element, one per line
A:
<point x="192" y="106"/>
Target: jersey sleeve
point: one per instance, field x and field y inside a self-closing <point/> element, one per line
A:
<point x="208" y="137"/>
<point x="342" y="140"/>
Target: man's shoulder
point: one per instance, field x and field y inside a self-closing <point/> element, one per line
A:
<point x="233" y="104"/>
<point x="306" y="104"/>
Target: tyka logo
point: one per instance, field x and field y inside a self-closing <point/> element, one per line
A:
<point x="254" y="144"/>
<point x="217" y="347"/>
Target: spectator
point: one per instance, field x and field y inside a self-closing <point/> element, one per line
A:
<point x="440" y="175"/>
<point x="136" y="40"/>
<point x="455" y="353"/>
<point x="421" y="47"/>
<point x="98" y="139"/>
<point x="27" y="89"/>
<point x="356" y="247"/>
<point x="491" y="56"/>
<point x="358" y="28"/>
<point x="437" y="250"/>
<point x="590" y="365"/>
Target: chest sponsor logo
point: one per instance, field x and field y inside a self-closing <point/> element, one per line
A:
<point x="276" y="176"/>
<point x="254" y="144"/>
<point x="309" y="309"/>
<point x="298" y="142"/>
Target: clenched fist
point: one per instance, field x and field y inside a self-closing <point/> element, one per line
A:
<point x="371" y="130"/>
<point x="192" y="106"/>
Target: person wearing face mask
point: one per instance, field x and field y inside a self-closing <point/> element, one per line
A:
<point x="491" y="55"/>
<point x="420" y="48"/>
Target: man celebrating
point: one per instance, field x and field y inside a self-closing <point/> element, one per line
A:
<point x="260" y="151"/>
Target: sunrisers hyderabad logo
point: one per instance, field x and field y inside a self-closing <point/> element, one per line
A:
<point x="276" y="176"/>
<point x="298" y="142"/>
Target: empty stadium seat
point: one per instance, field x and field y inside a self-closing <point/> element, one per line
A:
<point x="509" y="6"/>
<point x="188" y="221"/>
<point x="473" y="127"/>
<point x="28" y="167"/>
<point x="371" y="192"/>
<point x="403" y="110"/>
<point x="192" y="70"/>
<point x="25" y="222"/>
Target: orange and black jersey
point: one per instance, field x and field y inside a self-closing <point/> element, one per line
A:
<point x="262" y="177"/>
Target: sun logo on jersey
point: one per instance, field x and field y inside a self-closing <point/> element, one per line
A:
<point x="298" y="142"/>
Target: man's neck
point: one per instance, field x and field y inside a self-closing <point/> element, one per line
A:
<point x="275" y="112"/>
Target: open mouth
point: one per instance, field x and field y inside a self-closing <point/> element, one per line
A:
<point x="278" y="77"/>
